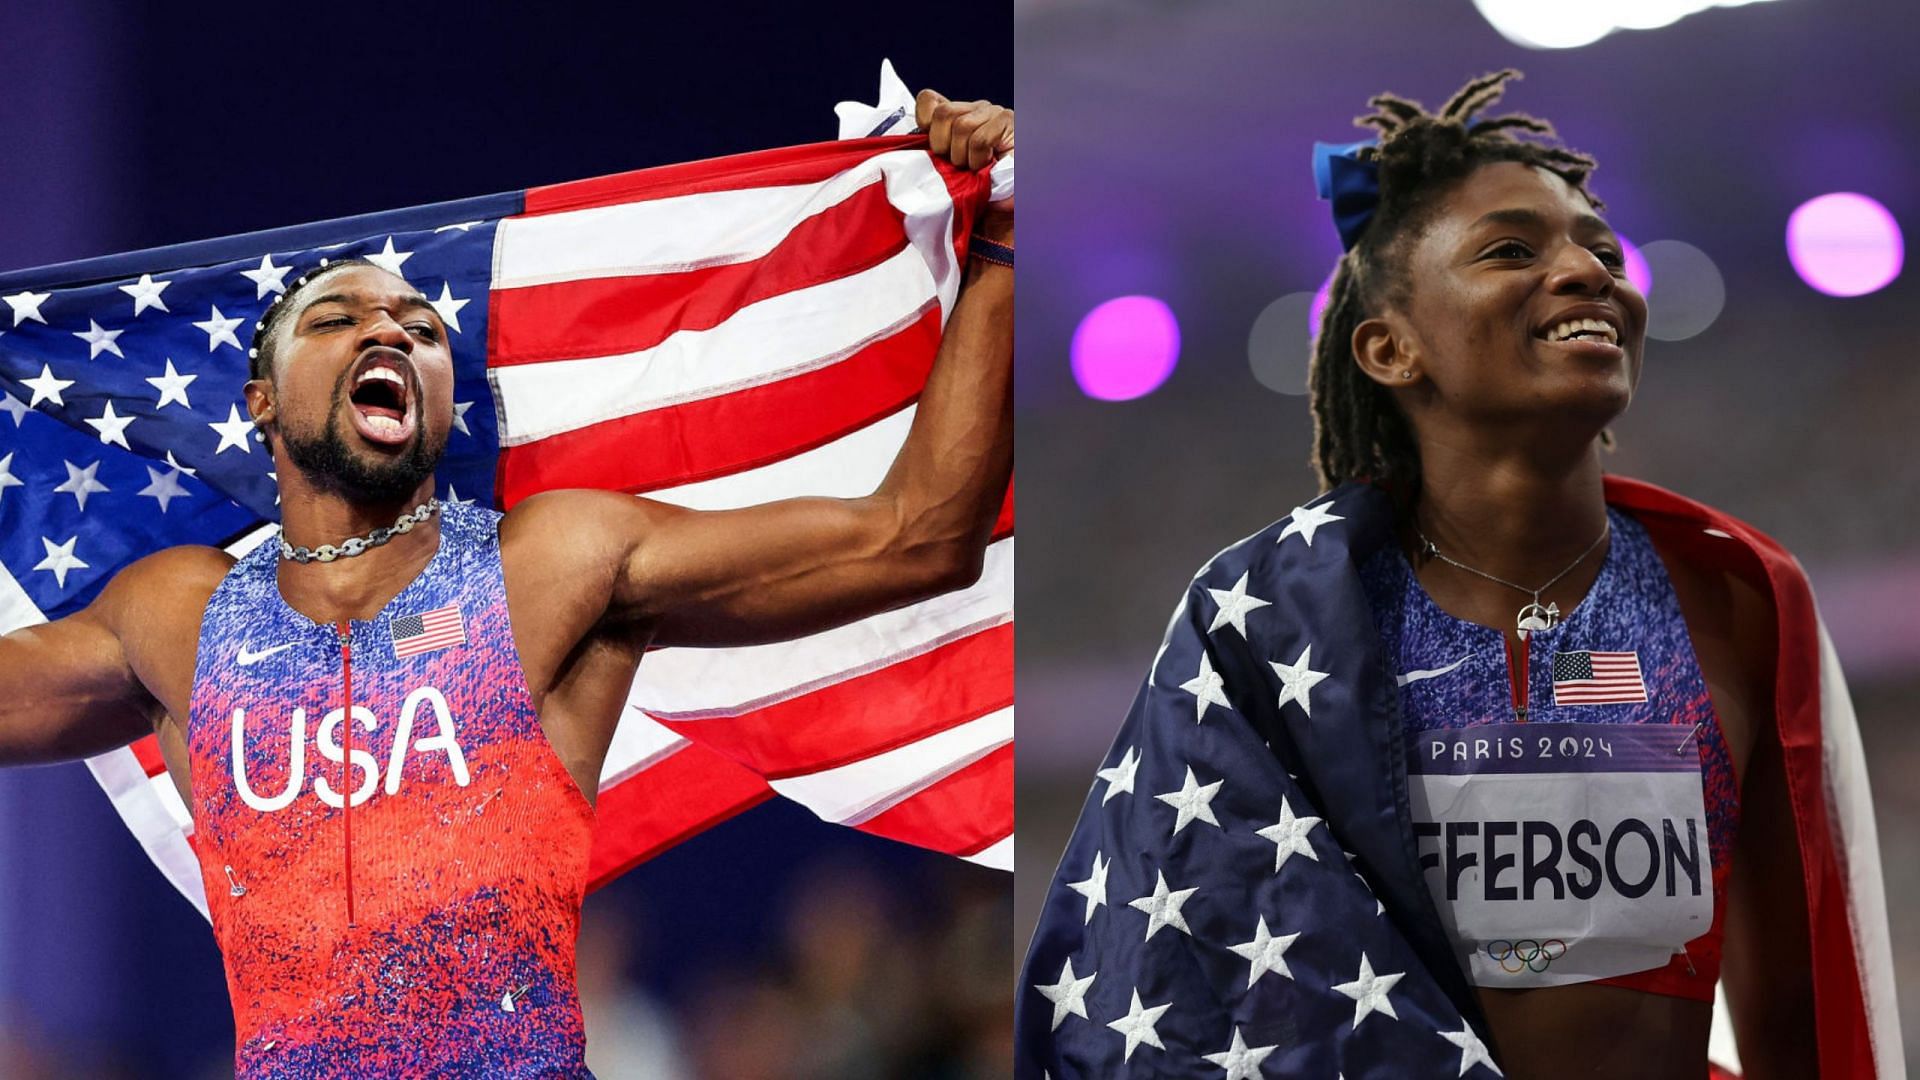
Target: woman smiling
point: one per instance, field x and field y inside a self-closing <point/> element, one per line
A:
<point x="1481" y="759"/>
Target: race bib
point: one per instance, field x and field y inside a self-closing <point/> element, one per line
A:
<point x="1563" y="853"/>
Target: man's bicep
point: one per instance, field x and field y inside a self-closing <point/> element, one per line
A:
<point x="67" y="690"/>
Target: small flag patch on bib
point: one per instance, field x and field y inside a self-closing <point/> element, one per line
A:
<point x="428" y="631"/>
<point x="1597" y="678"/>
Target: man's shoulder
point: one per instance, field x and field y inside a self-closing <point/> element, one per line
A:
<point x="186" y="569"/>
<point x="164" y="593"/>
<point x="586" y="522"/>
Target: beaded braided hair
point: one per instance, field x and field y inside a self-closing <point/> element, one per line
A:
<point x="260" y="350"/>
<point x="1358" y="430"/>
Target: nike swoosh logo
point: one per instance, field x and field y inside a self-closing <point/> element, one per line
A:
<point x="246" y="657"/>
<point x="1431" y="673"/>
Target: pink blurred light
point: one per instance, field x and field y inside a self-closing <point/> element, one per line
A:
<point x="1637" y="271"/>
<point x="1844" y="244"/>
<point x="1318" y="309"/>
<point x="1125" y="348"/>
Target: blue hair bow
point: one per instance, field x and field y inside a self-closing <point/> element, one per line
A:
<point x="1352" y="185"/>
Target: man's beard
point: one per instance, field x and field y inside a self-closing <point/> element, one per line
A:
<point x="329" y="466"/>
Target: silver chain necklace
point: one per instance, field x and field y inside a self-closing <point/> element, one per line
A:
<point x="360" y="544"/>
<point x="1533" y="616"/>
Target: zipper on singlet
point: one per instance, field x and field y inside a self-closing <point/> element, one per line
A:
<point x="346" y="764"/>
<point x="1517" y="675"/>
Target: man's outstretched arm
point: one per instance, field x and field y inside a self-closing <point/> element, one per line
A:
<point x="78" y="686"/>
<point x="792" y="567"/>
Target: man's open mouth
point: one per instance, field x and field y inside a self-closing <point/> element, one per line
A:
<point x="382" y="398"/>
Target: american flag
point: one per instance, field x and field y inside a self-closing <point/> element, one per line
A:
<point x="428" y="631"/>
<point x="1209" y="915"/>
<point x="1597" y="678"/>
<point x="1241" y="896"/>
<point x="713" y="334"/>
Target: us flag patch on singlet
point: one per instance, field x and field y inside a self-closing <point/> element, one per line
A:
<point x="1597" y="678"/>
<point x="427" y="631"/>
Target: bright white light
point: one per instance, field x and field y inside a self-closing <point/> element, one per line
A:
<point x="1552" y="24"/>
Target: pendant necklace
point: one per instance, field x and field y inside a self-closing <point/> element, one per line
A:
<point x="1533" y="616"/>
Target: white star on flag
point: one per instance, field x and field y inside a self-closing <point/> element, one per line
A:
<point x="1094" y="888"/>
<point x="1306" y="519"/>
<point x="1472" y="1050"/>
<point x="1241" y="1061"/>
<point x="1297" y="680"/>
<point x="219" y="330"/>
<point x="7" y="480"/>
<point x="80" y="483"/>
<point x="463" y="226"/>
<point x="1119" y="777"/>
<point x="267" y="277"/>
<point x="1290" y="836"/>
<point x="1369" y="992"/>
<point x="460" y="416"/>
<point x="390" y="260"/>
<point x="1206" y="689"/>
<point x="1265" y="952"/>
<point x="1234" y="606"/>
<point x="1163" y="907"/>
<point x="46" y="387"/>
<point x="1137" y="1026"/>
<point x="1191" y="802"/>
<point x="163" y="486"/>
<point x="1069" y="995"/>
<point x="172" y="386"/>
<point x="112" y="427"/>
<point x="99" y="340"/>
<point x="448" y="307"/>
<point x="453" y="496"/>
<point x="146" y="294"/>
<point x="60" y="559"/>
<point x="14" y="407"/>
<point x="176" y="465"/>
<point x="26" y="305"/>
<point x="233" y="431"/>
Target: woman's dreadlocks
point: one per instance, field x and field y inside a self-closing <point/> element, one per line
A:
<point x="1358" y="431"/>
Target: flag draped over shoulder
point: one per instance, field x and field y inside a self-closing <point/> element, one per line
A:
<point x="1242" y="895"/>
<point x="715" y="334"/>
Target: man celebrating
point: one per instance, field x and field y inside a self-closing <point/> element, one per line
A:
<point x="406" y="900"/>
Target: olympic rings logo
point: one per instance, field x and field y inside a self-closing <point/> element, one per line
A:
<point x="1526" y="954"/>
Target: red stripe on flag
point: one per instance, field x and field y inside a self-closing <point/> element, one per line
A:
<point x="687" y="792"/>
<point x="146" y="750"/>
<point x="672" y="446"/>
<point x="961" y="814"/>
<point x="808" y="164"/>
<point x="870" y="714"/>
<point x="611" y="315"/>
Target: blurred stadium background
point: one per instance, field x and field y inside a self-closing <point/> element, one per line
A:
<point x="773" y="946"/>
<point x="1167" y="162"/>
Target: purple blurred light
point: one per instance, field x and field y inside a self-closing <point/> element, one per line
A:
<point x="1637" y="271"/>
<point x="1844" y="244"/>
<point x="1125" y="348"/>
